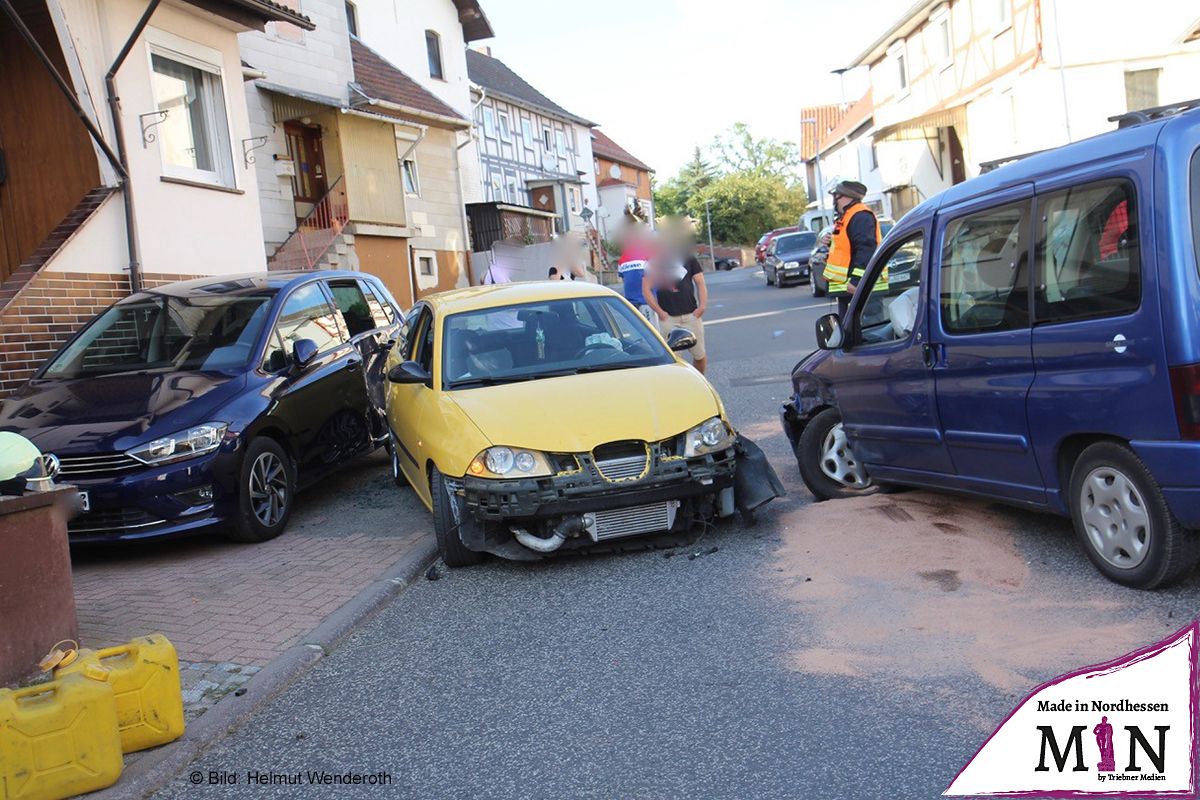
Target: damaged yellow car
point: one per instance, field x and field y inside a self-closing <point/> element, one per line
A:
<point x="532" y="418"/>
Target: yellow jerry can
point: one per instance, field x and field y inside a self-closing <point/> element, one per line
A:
<point x="144" y="675"/>
<point x="58" y="739"/>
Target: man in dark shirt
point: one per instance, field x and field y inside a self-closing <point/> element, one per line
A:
<point x="852" y="243"/>
<point x="674" y="288"/>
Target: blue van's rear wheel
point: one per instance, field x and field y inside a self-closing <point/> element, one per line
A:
<point x="1123" y="522"/>
<point x="827" y="463"/>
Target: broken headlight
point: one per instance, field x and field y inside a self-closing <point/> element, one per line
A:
<point x="709" y="436"/>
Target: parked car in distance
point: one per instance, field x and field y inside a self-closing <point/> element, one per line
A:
<point x="726" y="263"/>
<point x="206" y="404"/>
<point x="816" y="263"/>
<point x="1046" y="355"/>
<point x="503" y="413"/>
<point x="760" y="250"/>
<point x="787" y="258"/>
<point x="820" y="286"/>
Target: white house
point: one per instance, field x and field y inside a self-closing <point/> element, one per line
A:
<point x="427" y="40"/>
<point x="961" y="83"/>
<point x="150" y="178"/>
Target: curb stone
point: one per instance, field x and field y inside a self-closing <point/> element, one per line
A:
<point x="157" y="767"/>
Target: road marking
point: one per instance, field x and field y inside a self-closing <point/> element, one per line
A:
<point x="763" y="314"/>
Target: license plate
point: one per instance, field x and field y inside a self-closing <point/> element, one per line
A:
<point x="899" y="277"/>
<point x="85" y="502"/>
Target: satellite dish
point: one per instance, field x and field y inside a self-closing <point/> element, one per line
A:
<point x="614" y="172"/>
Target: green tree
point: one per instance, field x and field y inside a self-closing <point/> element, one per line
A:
<point x="738" y="151"/>
<point x="671" y="199"/>
<point x="696" y="174"/>
<point x="743" y="205"/>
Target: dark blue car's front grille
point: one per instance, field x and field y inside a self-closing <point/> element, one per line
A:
<point x="113" y="520"/>
<point x="97" y="465"/>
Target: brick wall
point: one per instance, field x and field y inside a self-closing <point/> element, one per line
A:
<point x="49" y="309"/>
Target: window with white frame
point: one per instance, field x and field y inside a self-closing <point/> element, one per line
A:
<point x="433" y="48"/>
<point x="489" y="123"/>
<point x="505" y="132"/>
<point x="193" y="136"/>
<point x="573" y="199"/>
<point x="351" y="18"/>
<point x="898" y="54"/>
<point x="426" y="263"/>
<point x="1003" y="14"/>
<point x="412" y="181"/>
<point x="527" y="134"/>
<point x="941" y="44"/>
<point x="547" y="140"/>
<point x="560" y="142"/>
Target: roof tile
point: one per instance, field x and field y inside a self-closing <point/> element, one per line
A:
<point x="380" y="80"/>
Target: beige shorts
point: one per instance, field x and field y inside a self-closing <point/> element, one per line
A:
<point x="690" y="322"/>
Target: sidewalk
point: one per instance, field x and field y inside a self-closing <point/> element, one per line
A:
<point x="231" y="608"/>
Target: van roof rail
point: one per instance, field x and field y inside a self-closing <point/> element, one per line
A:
<point x="988" y="166"/>
<point x="1157" y="112"/>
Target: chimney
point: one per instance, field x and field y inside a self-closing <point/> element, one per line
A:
<point x="482" y="48"/>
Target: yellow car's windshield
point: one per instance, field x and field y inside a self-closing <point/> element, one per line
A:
<point x="546" y="339"/>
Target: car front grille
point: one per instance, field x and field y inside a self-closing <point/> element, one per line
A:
<point x="621" y="460"/>
<point x="98" y="465"/>
<point x="621" y="522"/>
<point x="113" y="520"/>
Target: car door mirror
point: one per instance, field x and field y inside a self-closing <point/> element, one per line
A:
<point x="304" y="351"/>
<point x="830" y="335"/>
<point x="409" y="372"/>
<point x="681" y="339"/>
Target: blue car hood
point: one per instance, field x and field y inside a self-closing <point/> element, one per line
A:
<point x="112" y="413"/>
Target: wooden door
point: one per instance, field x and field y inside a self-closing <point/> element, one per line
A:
<point x="48" y="160"/>
<point x="304" y="146"/>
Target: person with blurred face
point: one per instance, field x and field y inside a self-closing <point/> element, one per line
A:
<point x="852" y="243"/>
<point x="637" y="250"/>
<point x="674" y="288"/>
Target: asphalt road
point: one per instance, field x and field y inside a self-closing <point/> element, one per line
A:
<point x="647" y="676"/>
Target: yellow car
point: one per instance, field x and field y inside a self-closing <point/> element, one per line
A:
<point x="537" y="417"/>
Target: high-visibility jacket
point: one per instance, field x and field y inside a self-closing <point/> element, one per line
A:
<point x="837" y="265"/>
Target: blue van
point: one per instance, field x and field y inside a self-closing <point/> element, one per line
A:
<point x="1048" y="354"/>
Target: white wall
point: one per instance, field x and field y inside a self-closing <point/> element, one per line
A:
<point x="182" y="229"/>
<point x="315" y="62"/>
<point x="437" y="213"/>
<point x="396" y="30"/>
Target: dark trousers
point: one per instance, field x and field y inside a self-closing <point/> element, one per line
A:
<point x="843" y="301"/>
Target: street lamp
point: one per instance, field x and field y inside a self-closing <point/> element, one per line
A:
<point x="817" y="150"/>
<point x="712" y="256"/>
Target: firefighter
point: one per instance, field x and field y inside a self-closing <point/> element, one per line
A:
<point x="852" y="243"/>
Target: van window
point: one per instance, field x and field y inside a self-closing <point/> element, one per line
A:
<point x="1087" y="253"/>
<point x="985" y="271"/>
<point x="1196" y="204"/>
<point x="889" y="313"/>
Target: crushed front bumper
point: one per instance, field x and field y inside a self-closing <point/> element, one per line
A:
<point x="493" y="514"/>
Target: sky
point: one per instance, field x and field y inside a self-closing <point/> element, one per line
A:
<point x="662" y="76"/>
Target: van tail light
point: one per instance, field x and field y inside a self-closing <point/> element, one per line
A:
<point x="1185" y="386"/>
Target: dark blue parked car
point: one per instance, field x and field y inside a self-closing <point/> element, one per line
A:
<point x="1048" y="355"/>
<point x="210" y="402"/>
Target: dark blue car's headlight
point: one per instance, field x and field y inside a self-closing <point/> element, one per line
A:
<point x="192" y="442"/>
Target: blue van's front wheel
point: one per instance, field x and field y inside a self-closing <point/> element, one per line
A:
<point x="1123" y="521"/>
<point x="827" y="463"/>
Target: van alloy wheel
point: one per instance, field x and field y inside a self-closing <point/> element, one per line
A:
<point x="1115" y="517"/>
<point x="268" y="489"/>
<point x="838" y="461"/>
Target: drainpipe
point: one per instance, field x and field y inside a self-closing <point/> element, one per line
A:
<point x="114" y="103"/>
<point x="67" y="91"/>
